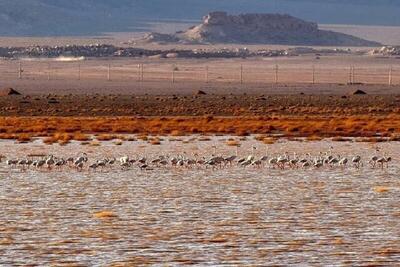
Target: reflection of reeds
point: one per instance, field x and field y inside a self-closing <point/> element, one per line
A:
<point x="313" y="138"/>
<point x="232" y="143"/>
<point x="104" y="214"/>
<point x="395" y="137"/>
<point x="381" y="189"/>
<point x="64" y="129"/>
<point x="155" y="141"/>
<point x="372" y="139"/>
<point x="94" y="143"/>
<point x="341" y="139"/>
<point x="105" y="137"/>
<point x="118" y="143"/>
<point x="269" y="140"/>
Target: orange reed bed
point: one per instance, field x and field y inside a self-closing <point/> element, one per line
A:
<point x="76" y="128"/>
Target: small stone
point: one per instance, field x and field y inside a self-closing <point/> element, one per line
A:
<point x="200" y="92"/>
<point x="359" y="92"/>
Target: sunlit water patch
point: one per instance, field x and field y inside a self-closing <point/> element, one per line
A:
<point x="234" y="216"/>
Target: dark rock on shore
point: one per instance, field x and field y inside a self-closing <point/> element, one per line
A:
<point x="8" y="91"/>
<point x="200" y="92"/>
<point x="359" y="92"/>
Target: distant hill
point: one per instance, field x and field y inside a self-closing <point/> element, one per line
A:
<point x="263" y="28"/>
<point x="255" y="28"/>
<point x="75" y="17"/>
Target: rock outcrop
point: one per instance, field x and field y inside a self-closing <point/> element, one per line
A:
<point x="220" y="27"/>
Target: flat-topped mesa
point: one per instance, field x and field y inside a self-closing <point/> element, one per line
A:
<point x="220" y="27"/>
<point x="259" y="21"/>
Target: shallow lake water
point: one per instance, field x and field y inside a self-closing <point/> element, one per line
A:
<point x="206" y="217"/>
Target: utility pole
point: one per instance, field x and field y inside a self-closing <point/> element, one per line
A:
<point x="351" y="75"/>
<point x="207" y="74"/>
<point x="79" y="72"/>
<point x="142" y="73"/>
<point x="20" y="70"/>
<point x="390" y="76"/>
<point x="173" y="74"/>
<point x="276" y="73"/>
<point x="241" y="74"/>
<point x="313" y="74"/>
<point x="48" y="72"/>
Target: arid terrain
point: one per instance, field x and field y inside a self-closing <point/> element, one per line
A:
<point x="275" y="75"/>
<point x="243" y="139"/>
<point x="295" y="96"/>
<point x="96" y="160"/>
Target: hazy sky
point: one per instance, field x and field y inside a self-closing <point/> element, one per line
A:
<point x="59" y="17"/>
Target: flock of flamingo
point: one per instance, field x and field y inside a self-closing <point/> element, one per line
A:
<point x="283" y="161"/>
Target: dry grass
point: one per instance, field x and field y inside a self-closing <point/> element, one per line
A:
<point x="64" y="129"/>
<point x="24" y="138"/>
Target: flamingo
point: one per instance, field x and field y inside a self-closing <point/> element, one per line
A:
<point x="373" y="161"/>
<point x="318" y="164"/>
<point x="343" y="162"/>
<point x="230" y="159"/>
<point x="93" y="166"/>
<point x="356" y="161"/>
<point x="273" y="162"/>
<point x="257" y="163"/>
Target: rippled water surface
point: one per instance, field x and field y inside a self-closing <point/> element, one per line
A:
<point x="235" y="216"/>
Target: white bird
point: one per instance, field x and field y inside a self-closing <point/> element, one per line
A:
<point x="124" y="159"/>
<point x="250" y="157"/>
